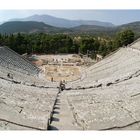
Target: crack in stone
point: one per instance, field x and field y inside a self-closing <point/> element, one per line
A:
<point x="32" y="85"/>
<point x="135" y="95"/>
<point x="75" y="116"/>
<point x="22" y="125"/>
<point x="2" y="102"/>
<point x="120" y="127"/>
<point x="129" y="112"/>
<point x="21" y="110"/>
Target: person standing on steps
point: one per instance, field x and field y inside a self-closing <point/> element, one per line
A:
<point x="64" y="82"/>
<point x="51" y="79"/>
<point x="61" y="86"/>
<point x="60" y="83"/>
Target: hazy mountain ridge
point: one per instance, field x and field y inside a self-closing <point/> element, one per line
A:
<point x="61" y="22"/>
<point x="40" y="27"/>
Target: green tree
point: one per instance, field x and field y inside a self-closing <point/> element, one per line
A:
<point x="124" y="38"/>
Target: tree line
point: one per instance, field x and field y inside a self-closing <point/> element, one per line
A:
<point x="61" y="43"/>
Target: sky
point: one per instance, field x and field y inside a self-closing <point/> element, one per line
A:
<point x="116" y="17"/>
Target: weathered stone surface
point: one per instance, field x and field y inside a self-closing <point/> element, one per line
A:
<point x="25" y="106"/>
<point x="107" y="97"/>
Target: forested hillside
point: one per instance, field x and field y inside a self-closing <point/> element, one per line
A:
<point x="27" y="27"/>
<point x="60" y="43"/>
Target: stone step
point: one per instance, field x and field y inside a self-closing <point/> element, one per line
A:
<point x="62" y="116"/>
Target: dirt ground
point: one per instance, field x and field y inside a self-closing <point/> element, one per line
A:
<point x="58" y="73"/>
<point x="60" y="67"/>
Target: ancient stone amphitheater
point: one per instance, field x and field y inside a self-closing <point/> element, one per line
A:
<point x="106" y="97"/>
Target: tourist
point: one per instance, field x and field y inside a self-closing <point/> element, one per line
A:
<point x="61" y="86"/>
<point x="51" y="79"/>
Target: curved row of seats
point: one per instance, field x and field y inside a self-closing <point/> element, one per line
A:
<point x="114" y="106"/>
<point x="26" y="100"/>
<point x="25" y="107"/>
<point x="123" y="63"/>
<point x="12" y="60"/>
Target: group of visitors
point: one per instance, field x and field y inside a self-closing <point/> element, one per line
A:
<point x="61" y="84"/>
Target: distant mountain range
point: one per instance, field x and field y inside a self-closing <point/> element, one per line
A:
<point x="61" y="22"/>
<point x="41" y="27"/>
